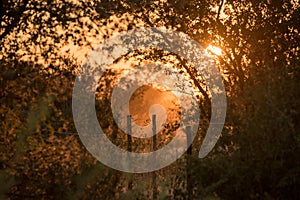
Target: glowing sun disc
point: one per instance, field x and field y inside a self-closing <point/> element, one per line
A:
<point x="215" y="50"/>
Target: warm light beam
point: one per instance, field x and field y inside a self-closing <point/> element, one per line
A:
<point x="215" y="50"/>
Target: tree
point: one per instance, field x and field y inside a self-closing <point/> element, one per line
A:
<point x="257" y="155"/>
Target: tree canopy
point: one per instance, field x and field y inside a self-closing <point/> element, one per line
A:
<point x="43" y="44"/>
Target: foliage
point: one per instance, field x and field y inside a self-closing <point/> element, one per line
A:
<point x="257" y="156"/>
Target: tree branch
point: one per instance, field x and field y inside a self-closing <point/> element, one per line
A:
<point x="219" y="10"/>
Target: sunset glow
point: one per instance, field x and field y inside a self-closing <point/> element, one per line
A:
<point x="140" y="99"/>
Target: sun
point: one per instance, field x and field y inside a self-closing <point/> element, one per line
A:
<point x="215" y="50"/>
